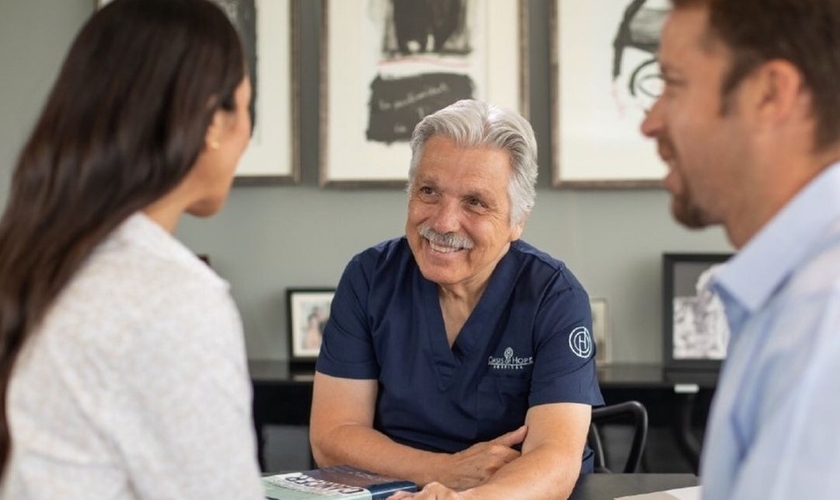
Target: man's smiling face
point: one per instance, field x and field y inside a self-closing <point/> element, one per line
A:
<point x="459" y="223"/>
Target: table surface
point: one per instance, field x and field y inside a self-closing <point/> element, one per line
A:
<point x="610" y="486"/>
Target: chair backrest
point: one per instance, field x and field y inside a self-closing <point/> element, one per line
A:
<point x="628" y="411"/>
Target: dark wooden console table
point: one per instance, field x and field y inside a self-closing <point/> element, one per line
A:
<point x="283" y="396"/>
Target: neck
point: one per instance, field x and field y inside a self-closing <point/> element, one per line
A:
<point x="778" y="184"/>
<point x="465" y="295"/>
<point x="163" y="214"/>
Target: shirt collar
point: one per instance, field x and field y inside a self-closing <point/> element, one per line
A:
<point x="771" y="256"/>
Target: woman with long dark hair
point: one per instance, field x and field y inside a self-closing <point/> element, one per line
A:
<point x="122" y="362"/>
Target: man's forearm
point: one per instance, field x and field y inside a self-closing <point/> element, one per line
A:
<point x="371" y="450"/>
<point x="543" y="473"/>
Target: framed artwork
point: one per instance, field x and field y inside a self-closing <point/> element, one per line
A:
<point x="604" y="78"/>
<point x="386" y="64"/>
<point x="268" y="35"/>
<point x="694" y="325"/>
<point x="308" y="312"/>
<point x="601" y="331"/>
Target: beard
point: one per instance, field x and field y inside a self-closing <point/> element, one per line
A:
<point x="684" y="206"/>
<point x="686" y="211"/>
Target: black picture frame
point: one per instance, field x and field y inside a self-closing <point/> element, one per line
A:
<point x="308" y="310"/>
<point x="694" y="333"/>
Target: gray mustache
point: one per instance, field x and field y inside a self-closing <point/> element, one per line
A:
<point x="449" y="239"/>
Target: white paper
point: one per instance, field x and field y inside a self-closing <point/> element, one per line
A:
<point x="690" y="493"/>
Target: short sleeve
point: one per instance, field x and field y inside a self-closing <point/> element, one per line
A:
<point x="564" y="360"/>
<point x="347" y="349"/>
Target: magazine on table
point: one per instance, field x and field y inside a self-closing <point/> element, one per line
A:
<point x="340" y="482"/>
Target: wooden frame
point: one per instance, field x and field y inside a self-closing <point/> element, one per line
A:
<point x="604" y="77"/>
<point x="694" y="326"/>
<point x="376" y="85"/>
<point x="269" y="37"/>
<point x="308" y="311"/>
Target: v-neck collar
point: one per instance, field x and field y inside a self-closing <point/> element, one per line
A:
<point x="448" y="361"/>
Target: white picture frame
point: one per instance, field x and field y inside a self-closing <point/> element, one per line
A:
<point x="604" y="77"/>
<point x="372" y="96"/>
<point x="601" y="330"/>
<point x="272" y="156"/>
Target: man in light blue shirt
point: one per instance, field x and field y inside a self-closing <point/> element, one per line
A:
<point x="749" y="125"/>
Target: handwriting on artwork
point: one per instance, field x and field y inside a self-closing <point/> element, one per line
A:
<point x="398" y="104"/>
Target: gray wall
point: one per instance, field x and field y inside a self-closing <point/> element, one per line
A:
<point x="269" y="238"/>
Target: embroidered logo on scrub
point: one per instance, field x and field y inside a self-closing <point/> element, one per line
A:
<point x="510" y="362"/>
<point x="580" y="342"/>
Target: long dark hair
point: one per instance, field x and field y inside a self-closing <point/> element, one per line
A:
<point x="123" y="125"/>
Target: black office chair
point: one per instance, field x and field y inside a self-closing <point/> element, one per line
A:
<point x="633" y="411"/>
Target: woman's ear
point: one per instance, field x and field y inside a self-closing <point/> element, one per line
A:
<point x="214" y="130"/>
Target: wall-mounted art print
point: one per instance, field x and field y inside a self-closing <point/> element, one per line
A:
<point x="605" y="77"/>
<point x="266" y="29"/>
<point x="386" y="64"/>
<point x="694" y="326"/>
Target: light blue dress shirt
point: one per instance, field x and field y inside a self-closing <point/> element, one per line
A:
<point x="774" y="430"/>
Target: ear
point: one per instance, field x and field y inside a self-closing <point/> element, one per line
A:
<point x="516" y="231"/>
<point x="214" y="131"/>
<point x="778" y="92"/>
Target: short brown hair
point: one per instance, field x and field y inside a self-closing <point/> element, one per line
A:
<point x="805" y="33"/>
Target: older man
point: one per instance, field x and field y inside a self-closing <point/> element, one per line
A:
<point x="749" y="124"/>
<point x="459" y="355"/>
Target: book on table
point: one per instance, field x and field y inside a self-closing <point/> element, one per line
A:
<point x="340" y="482"/>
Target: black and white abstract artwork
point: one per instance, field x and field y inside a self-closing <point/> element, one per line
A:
<point x="695" y="329"/>
<point x="389" y="63"/>
<point x="700" y="329"/>
<point x="419" y="30"/>
<point x="605" y="79"/>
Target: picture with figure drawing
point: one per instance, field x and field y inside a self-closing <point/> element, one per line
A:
<point x="425" y="45"/>
<point x="605" y="79"/>
<point x="387" y="64"/>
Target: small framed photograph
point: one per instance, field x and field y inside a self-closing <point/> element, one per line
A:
<point x="308" y="311"/>
<point x="694" y="326"/>
<point x="601" y="330"/>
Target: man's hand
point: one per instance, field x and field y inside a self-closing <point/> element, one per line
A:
<point x="475" y="465"/>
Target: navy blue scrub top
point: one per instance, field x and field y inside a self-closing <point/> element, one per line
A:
<point x="526" y="343"/>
